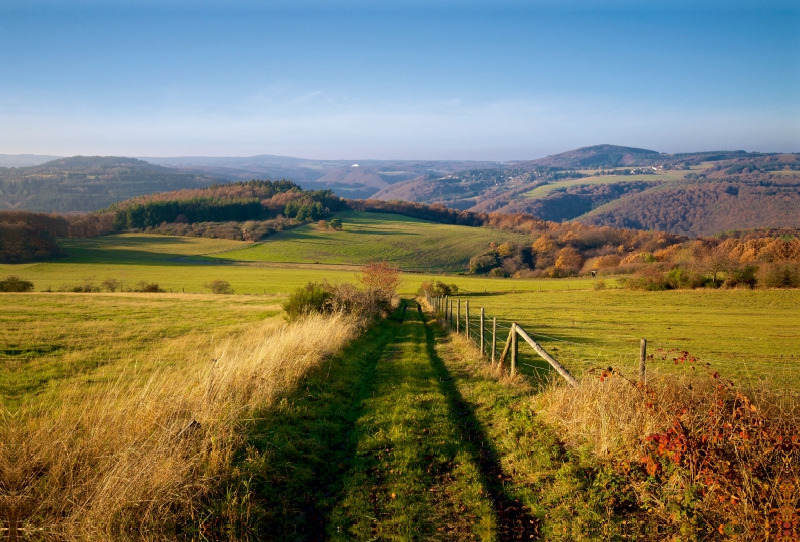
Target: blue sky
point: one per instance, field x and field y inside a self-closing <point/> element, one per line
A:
<point x="412" y="80"/>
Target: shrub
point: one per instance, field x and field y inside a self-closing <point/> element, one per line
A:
<point x="780" y="275"/>
<point x="336" y="224"/>
<point x="219" y="286"/>
<point x="87" y="287"/>
<point x="483" y="263"/>
<point x="145" y="287"/>
<point x="600" y="285"/>
<point x="111" y="285"/>
<point x="704" y="454"/>
<point x="437" y="288"/>
<point x="13" y="283"/>
<point x="745" y="276"/>
<point x="311" y="298"/>
<point x="497" y="272"/>
<point x="381" y="280"/>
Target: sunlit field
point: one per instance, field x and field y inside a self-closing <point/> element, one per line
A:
<point x="744" y="334"/>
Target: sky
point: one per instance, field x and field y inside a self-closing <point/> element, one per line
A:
<point x="439" y="79"/>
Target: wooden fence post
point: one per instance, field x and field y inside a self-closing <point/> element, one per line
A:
<point x="483" y="347"/>
<point x="502" y="358"/>
<point x="466" y="319"/>
<point x="514" y="348"/>
<point x="541" y="351"/>
<point x="642" y="361"/>
<point x="494" y="337"/>
<point x="458" y="317"/>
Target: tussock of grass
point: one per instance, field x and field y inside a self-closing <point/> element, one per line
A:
<point x="123" y="457"/>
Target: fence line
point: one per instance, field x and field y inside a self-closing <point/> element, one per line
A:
<point x="445" y="307"/>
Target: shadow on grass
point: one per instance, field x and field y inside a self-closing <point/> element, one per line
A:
<point x="296" y="455"/>
<point x="514" y="521"/>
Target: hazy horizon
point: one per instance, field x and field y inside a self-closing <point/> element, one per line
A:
<point x="434" y="81"/>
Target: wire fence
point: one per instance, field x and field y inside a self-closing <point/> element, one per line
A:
<point x="498" y="340"/>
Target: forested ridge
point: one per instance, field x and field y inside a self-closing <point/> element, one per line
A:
<point x="707" y="207"/>
<point x="83" y="183"/>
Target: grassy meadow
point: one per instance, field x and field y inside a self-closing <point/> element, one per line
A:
<point x="670" y="175"/>
<point x="210" y="412"/>
<point x="749" y="335"/>
<point x="414" y="245"/>
<point x="48" y="338"/>
<point x="185" y="264"/>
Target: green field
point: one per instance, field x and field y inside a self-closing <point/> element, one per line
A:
<point x="405" y="433"/>
<point x="414" y="245"/>
<point x="47" y="338"/>
<point x="747" y="335"/>
<point x="168" y="261"/>
<point x="671" y="175"/>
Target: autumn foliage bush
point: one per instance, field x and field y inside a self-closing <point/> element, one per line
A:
<point x="707" y="457"/>
<point x="379" y="281"/>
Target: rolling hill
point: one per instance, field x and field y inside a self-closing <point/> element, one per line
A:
<point x="708" y="208"/>
<point x="690" y="194"/>
<point x="88" y="183"/>
<point x="410" y="243"/>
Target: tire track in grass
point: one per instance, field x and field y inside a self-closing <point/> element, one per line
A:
<point x="424" y="469"/>
<point x="514" y="521"/>
<point x="410" y="479"/>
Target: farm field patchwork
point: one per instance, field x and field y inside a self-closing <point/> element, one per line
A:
<point x="671" y="175"/>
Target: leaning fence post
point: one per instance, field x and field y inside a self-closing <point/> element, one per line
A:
<point x="458" y="317"/>
<point x="642" y="360"/>
<point x="466" y="319"/>
<point x="494" y="337"/>
<point x="483" y="347"/>
<point x="514" y="348"/>
<point x="507" y="347"/>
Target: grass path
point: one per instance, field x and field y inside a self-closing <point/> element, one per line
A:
<point x="404" y="437"/>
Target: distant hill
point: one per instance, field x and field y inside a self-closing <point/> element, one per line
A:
<point x="88" y="183"/>
<point x="348" y="178"/>
<point x="24" y="160"/>
<point x="598" y="156"/>
<point x="705" y="208"/>
<point x="626" y="187"/>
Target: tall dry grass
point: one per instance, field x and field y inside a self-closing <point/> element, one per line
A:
<point x="143" y="451"/>
<point x="708" y="458"/>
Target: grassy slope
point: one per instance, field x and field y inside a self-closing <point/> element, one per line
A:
<point x="410" y="243"/>
<point x="745" y="334"/>
<point x="669" y="175"/>
<point x="406" y="436"/>
<point x="46" y="338"/>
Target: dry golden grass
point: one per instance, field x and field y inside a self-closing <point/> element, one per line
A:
<point x="140" y="452"/>
<point x="707" y="457"/>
